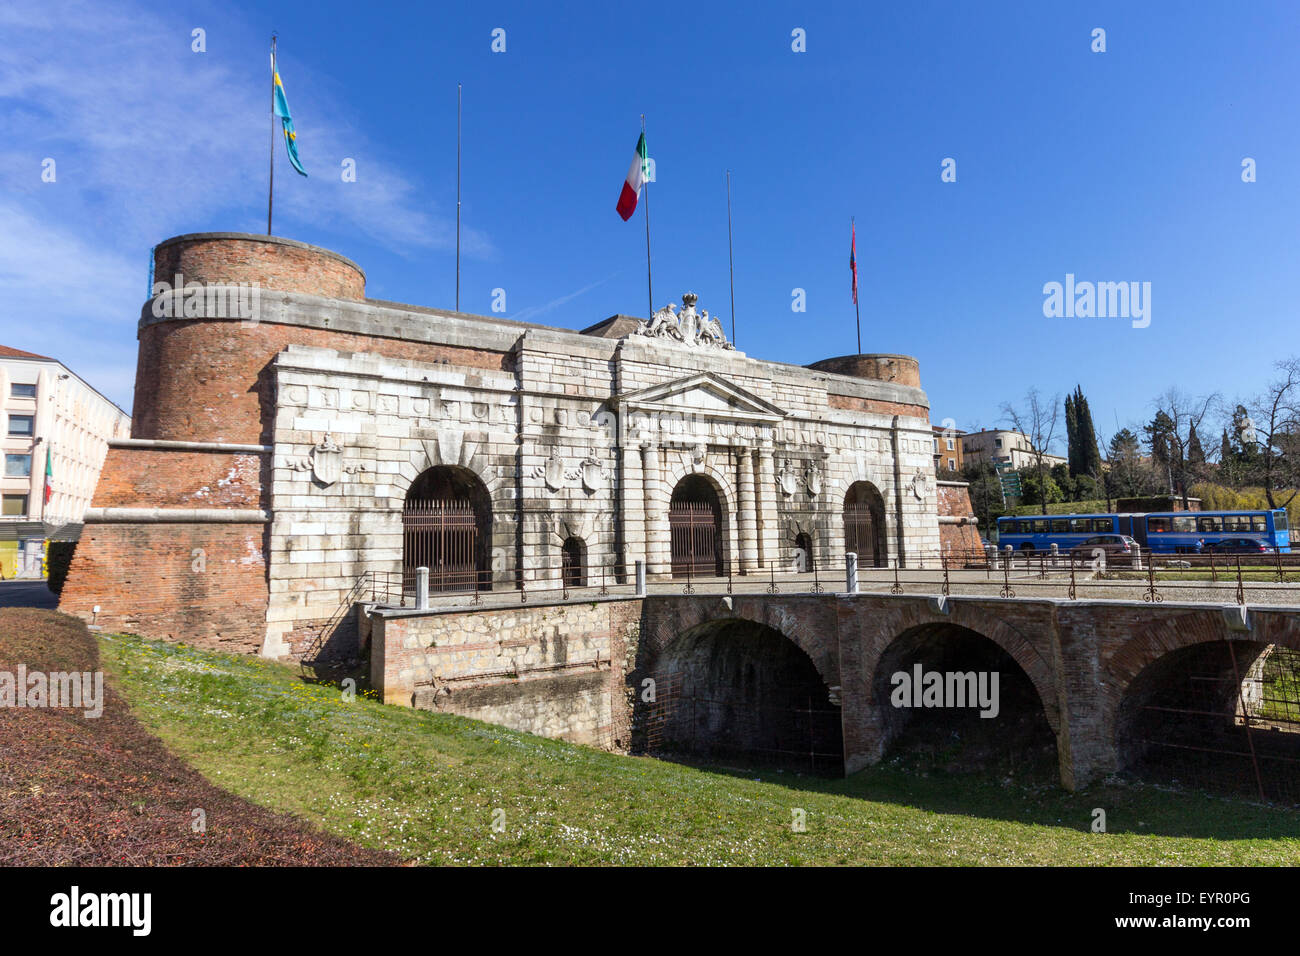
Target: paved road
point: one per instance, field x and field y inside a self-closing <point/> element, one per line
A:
<point x="27" y="594"/>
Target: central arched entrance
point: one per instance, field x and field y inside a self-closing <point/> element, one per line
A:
<point x="695" y="524"/>
<point x="446" y="527"/>
<point x="864" y="524"/>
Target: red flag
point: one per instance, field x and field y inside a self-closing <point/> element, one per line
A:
<point x="853" y="262"/>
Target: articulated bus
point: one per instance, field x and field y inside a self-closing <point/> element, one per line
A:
<point x="1160" y="532"/>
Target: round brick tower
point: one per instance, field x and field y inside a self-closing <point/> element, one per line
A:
<point x="880" y="367"/>
<point x="204" y="351"/>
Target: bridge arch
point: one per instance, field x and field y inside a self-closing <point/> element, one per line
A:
<point x="727" y="680"/>
<point x="975" y="702"/>
<point x="1195" y="703"/>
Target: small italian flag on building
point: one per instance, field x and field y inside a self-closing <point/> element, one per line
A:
<point x="637" y="175"/>
<point x="49" y="476"/>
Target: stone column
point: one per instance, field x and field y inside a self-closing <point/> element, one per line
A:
<point x="631" y="493"/>
<point x="895" y="443"/>
<point x="748" y="516"/>
<point x="766" y="505"/>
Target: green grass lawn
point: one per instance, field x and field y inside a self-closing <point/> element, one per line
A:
<point x="426" y="786"/>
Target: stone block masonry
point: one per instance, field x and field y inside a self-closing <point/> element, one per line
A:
<point x="555" y="670"/>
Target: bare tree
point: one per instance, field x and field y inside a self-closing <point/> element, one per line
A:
<point x="1277" y="434"/>
<point x="1184" y="417"/>
<point x="1036" y="420"/>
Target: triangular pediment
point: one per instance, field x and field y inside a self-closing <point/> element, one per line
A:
<point x="705" y="393"/>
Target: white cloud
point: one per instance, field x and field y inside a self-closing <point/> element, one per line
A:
<point x="152" y="140"/>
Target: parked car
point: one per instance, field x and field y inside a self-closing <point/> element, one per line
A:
<point x="1115" y="546"/>
<point x="1237" y="546"/>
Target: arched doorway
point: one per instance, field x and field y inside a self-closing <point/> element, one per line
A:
<point x="573" y="563"/>
<point x="864" y="524"/>
<point x="446" y="527"/>
<point x="695" y="523"/>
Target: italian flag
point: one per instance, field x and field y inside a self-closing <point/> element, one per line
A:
<point x="636" y="178"/>
<point x="49" y="476"/>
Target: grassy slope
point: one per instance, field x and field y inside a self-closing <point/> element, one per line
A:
<point x="426" y="785"/>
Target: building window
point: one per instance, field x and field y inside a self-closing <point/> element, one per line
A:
<point x="18" y="466"/>
<point x="20" y="424"/>
<point x="997" y="443"/>
<point x="936" y="444"/>
<point x="19" y="390"/>
<point x="950" y="445"/>
<point x="15" y="506"/>
<point x="952" y="464"/>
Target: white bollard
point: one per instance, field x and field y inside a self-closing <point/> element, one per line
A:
<point x="1056" y="553"/>
<point x="991" y="555"/>
<point x="1137" y="559"/>
<point x="640" y="579"/>
<point x="851" y="572"/>
<point x="422" y="589"/>
<point x="1009" y="552"/>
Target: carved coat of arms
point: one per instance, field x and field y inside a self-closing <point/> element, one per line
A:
<point x="787" y="480"/>
<point x="689" y="327"/>
<point x="327" y="461"/>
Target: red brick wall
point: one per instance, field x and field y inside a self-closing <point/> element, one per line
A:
<point x="284" y="266"/>
<point x="853" y="403"/>
<point x="147" y="580"/>
<point x="160" y="478"/>
<point x="211" y="381"/>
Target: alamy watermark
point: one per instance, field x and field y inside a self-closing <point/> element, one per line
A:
<point x="198" y="300"/>
<point x="77" y="690"/>
<point x="1101" y="300"/>
<point x="953" y="689"/>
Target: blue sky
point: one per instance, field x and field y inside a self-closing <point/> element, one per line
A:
<point x="1115" y="166"/>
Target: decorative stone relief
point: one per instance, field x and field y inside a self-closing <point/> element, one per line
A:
<point x="690" y="328"/>
<point x="919" y="485"/>
<point x="812" y="479"/>
<point x="787" y="480"/>
<point x="326" y="463"/>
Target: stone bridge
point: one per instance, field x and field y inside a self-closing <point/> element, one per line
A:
<point x="1097" y="677"/>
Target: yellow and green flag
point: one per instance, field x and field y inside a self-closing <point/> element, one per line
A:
<point x="282" y="111"/>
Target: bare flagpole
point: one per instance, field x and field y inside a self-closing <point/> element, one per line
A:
<point x="270" y="189"/>
<point x="458" y="104"/>
<point x="650" y="290"/>
<point x="731" y="262"/>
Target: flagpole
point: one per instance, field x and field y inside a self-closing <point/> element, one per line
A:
<point x="270" y="189"/>
<point x="458" y="105"/>
<point x="650" y="290"/>
<point x="856" y="309"/>
<point x="731" y="262"/>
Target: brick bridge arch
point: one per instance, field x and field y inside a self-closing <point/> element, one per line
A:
<point x="915" y="616"/>
<point x="1170" y="634"/>
<point x="803" y="622"/>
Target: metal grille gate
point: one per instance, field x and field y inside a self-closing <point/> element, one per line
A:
<point x="862" y="532"/>
<point x="441" y="535"/>
<point x="694" y="532"/>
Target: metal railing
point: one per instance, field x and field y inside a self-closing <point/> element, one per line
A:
<point x="1140" y="575"/>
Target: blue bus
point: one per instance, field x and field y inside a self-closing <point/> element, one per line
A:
<point x="1173" y="532"/>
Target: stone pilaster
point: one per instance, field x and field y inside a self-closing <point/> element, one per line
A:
<point x="748" y="516"/>
<point x="768" y="553"/>
<point x="657" y="555"/>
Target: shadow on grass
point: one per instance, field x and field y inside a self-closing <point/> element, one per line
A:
<point x="1131" y="807"/>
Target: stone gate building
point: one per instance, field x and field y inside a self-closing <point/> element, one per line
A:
<point x="290" y="435"/>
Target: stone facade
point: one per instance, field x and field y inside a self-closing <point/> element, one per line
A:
<point x="309" y="421"/>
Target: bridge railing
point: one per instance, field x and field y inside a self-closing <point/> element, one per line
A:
<point x="1212" y="578"/>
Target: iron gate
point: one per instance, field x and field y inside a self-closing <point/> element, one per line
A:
<point x="695" y="546"/>
<point x="862" y="534"/>
<point x="441" y="535"/>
